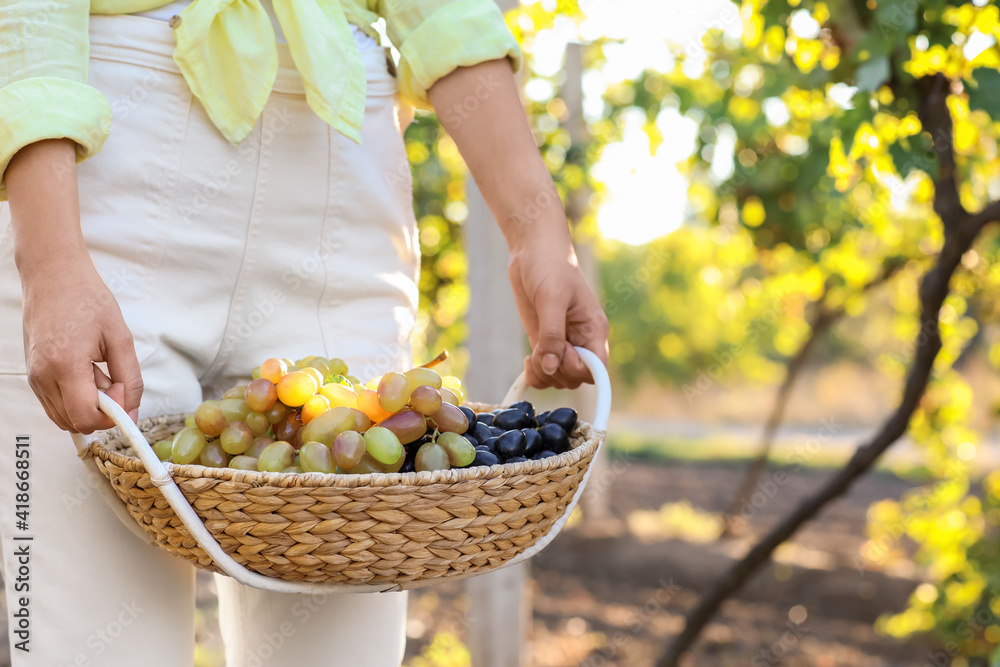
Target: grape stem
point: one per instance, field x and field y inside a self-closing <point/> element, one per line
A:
<point x="436" y="360"/>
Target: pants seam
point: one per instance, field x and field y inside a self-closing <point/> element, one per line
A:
<point x="227" y="340"/>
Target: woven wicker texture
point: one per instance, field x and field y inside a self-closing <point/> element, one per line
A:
<point x="360" y="529"/>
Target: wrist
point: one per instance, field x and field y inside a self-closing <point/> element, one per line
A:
<point x="40" y="258"/>
<point x="537" y="222"/>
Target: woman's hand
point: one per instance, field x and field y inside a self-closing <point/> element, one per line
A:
<point x="480" y="108"/>
<point x="71" y="319"/>
<point x="559" y="311"/>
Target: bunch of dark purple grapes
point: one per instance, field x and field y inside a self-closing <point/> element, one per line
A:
<point x="515" y="434"/>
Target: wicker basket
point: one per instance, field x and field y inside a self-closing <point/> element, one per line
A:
<point x="345" y="533"/>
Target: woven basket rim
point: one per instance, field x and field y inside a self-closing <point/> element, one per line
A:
<point x="585" y="434"/>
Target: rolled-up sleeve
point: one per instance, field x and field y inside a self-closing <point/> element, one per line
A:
<point x="434" y="37"/>
<point x="44" y="49"/>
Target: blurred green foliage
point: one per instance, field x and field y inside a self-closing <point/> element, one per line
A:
<point x="811" y="181"/>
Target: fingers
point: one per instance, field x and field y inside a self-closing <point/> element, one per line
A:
<point x="573" y="370"/>
<point x="116" y="390"/>
<point x="550" y="347"/>
<point x="124" y="368"/>
<point x="78" y="391"/>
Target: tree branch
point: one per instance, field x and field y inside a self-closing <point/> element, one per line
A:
<point x="822" y="320"/>
<point x="959" y="234"/>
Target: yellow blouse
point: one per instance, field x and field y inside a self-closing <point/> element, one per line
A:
<point x="44" y="60"/>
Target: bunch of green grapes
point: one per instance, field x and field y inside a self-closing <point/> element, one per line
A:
<point x="312" y="416"/>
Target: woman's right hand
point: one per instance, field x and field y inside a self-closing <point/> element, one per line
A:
<point x="71" y="319"/>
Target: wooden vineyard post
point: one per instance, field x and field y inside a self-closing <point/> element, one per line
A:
<point x="499" y="613"/>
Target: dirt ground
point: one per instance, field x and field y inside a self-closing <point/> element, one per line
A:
<point x="615" y="599"/>
<point x="602" y="601"/>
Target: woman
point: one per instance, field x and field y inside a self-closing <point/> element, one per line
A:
<point x="239" y="196"/>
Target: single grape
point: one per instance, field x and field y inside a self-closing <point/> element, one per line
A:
<point x="236" y="438"/>
<point x="235" y="409"/>
<point x="450" y="397"/>
<point x="564" y="417"/>
<point x="213" y="456"/>
<point x="460" y="451"/>
<point x="485" y="418"/>
<point x="524" y="406"/>
<point x="261" y="395"/>
<point x="339" y="395"/>
<point x="277" y="413"/>
<point x="189" y="421"/>
<point x="450" y="418"/>
<point x="541" y="417"/>
<point x="455" y="385"/>
<point x="367" y="465"/>
<point x="316" y="375"/>
<point x="320" y="364"/>
<point x="383" y="445"/>
<point x="393" y="392"/>
<point x="286" y="430"/>
<point x="431" y="456"/>
<point x="187" y="445"/>
<point x="243" y="463"/>
<point x="258" y="445"/>
<point x="491" y="444"/>
<point x="328" y="426"/>
<point x="276" y="457"/>
<point x="544" y="454"/>
<point x="361" y="421"/>
<point x="273" y="369"/>
<point x="554" y="438"/>
<point x="292" y="469"/>
<point x="373" y="383"/>
<point x="255" y="373"/>
<point x="314" y="407"/>
<point x="236" y="392"/>
<point x="485" y="459"/>
<point x="425" y="399"/>
<point x="516" y="459"/>
<point x="337" y="367"/>
<point x="532" y="442"/>
<point x="510" y="444"/>
<point x="421" y="377"/>
<point x="209" y="418"/>
<point x="162" y="449"/>
<point x="407" y="425"/>
<point x="409" y="465"/>
<point x="316" y="457"/>
<point x="348" y="449"/>
<point x="369" y="404"/>
<point x="257" y="422"/>
<point x="295" y="388"/>
<point x="511" y="419"/>
<point x="481" y="431"/>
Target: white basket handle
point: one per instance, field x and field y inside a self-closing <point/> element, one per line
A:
<point x="159" y="473"/>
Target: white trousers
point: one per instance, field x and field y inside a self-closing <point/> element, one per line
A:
<point x="296" y="242"/>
